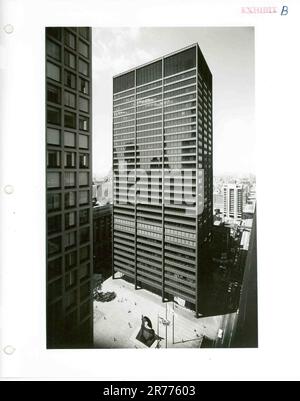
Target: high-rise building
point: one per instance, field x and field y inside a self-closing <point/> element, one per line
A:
<point x="233" y="202"/>
<point x="163" y="176"/>
<point x="69" y="184"/>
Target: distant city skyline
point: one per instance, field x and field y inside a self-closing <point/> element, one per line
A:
<point x="230" y="54"/>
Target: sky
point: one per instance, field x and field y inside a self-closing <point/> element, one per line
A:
<point x="229" y="53"/>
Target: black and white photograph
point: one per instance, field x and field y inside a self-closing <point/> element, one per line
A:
<point x="151" y="188"/>
<point x="148" y="179"/>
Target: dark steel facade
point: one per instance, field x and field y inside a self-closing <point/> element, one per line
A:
<point x="162" y="143"/>
<point x="69" y="187"/>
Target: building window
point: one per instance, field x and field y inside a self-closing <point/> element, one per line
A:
<point x="53" y="50"/>
<point x="55" y="289"/>
<point x="85" y="291"/>
<point x="70" y="260"/>
<point x="70" y="200"/>
<point x="70" y="240"/>
<point x="54" y="32"/>
<point x="53" y="180"/>
<point x="53" y="202"/>
<point x="70" y="279"/>
<point x="53" y="159"/>
<point x="54" y="268"/>
<point x="83" y="141"/>
<point x="83" y="104"/>
<point x="70" y="139"/>
<point x="84" y="254"/>
<point x="85" y="310"/>
<point x="53" y="94"/>
<point x="54" y="224"/>
<point x="70" y="39"/>
<point x="83" y="123"/>
<point x="83" y="160"/>
<point x="70" y="80"/>
<point x="84" y="235"/>
<point x="53" y="136"/>
<point x="70" y="119"/>
<point x="83" y="67"/>
<point x="70" y="179"/>
<point x="84" y="217"/>
<point x="54" y="245"/>
<point x="83" y="49"/>
<point x="84" y="272"/>
<point x="53" y="115"/>
<point x="70" y="99"/>
<point x="70" y="299"/>
<point x="70" y="220"/>
<point x="70" y="60"/>
<point x="84" y="86"/>
<point x="84" y="32"/>
<point x="53" y="72"/>
<point x="70" y="159"/>
<point x="83" y="179"/>
<point x="84" y="197"/>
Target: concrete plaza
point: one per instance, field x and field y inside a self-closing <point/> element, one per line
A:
<point x="117" y="323"/>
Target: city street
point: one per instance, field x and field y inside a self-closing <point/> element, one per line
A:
<point x="117" y="323"/>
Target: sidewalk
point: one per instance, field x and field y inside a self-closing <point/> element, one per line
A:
<point x="116" y="323"/>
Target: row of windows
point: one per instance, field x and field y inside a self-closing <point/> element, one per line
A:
<point x="54" y="138"/>
<point x="54" y="200"/>
<point x="149" y="234"/>
<point x="180" y="84"/>
<point x="127" y="117"/>
<point x="149" y="119"/>
<point x="148" y="93"/>
<point x="54" y="179"/>
<point x="117" y="138"/>
<point x="124" y="228"/>
<point x="149" y="105"/>
<point x="180" y="241"/>
<point x="123" y="124"/>
<point x="152" y="133"/>
<point x="180" y="121"/>
<point x="152" y="126"/>
<point x="180" y="151"/>
<point x="54" y="96"/>
<point x="179" y="145"/>
<point x="149" y="86"/>
<point x="55" y="268"/>
<point x="185" y="128"/>
<point x="150" y="139"/>
<point x="180" y="92"/>
<point x="55" y="246"/>
<point x="124" y="222"/>
<point x="56" y="32"/>
<point x="124" y="94"/>
<point x="124" y="100"/>
<point x="179" y="114"/>
<point x="54" y="159"/>
<point x="124" y="106"/>
<point x="180" y="76"/>
<point x="55" y="224"/>
<point x="70" y="119"/>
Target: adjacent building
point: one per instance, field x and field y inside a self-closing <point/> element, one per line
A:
<point x="69" y="185"/>
<point x="233" y="202"/>
<point x="163" y="176"/>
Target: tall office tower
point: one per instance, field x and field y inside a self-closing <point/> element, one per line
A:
<point x="233" y="202"/>
<point x="69" y="184"/>
<point x="163" y="177"/>
<point x="102" y="239"/>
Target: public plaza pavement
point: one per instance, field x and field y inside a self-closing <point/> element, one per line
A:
<point x="117" y="323"/>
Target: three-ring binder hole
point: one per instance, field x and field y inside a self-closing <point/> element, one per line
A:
<point x="8" y="28"/>
<point x="9" y="350"/>
<point x="8" y="189"/>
